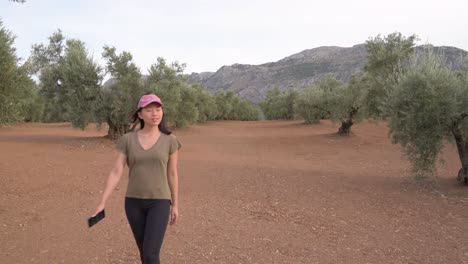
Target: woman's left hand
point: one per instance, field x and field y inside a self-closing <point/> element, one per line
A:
<point x="174" y="215"/>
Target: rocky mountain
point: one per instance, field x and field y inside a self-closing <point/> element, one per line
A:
<point x="300" y="70"/>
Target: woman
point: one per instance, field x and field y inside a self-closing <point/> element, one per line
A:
<point x="152" y="191"/>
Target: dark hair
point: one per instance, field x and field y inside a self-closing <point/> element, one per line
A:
<point x="136" y="120"/>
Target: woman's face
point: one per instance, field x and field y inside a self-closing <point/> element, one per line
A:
<point x="151" y="114"/>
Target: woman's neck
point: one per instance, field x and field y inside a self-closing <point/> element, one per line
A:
<point x="151" y="130"/>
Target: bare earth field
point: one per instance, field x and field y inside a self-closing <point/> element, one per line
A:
<point x="251" y="192"/>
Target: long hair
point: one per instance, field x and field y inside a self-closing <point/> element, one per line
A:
<point x="136" y="120"/>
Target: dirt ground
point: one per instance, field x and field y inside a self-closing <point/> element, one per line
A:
<point x="251" y="192"/>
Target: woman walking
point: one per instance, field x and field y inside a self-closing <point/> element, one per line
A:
<point x="151" y="200"/>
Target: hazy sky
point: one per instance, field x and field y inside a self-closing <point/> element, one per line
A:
<point x="211" y="33"/>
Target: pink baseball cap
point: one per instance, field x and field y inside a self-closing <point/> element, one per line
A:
<point x="148" y="99"/>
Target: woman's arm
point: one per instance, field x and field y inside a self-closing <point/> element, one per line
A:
<point x="112" y="180"/>
<point x="173" y="180"/>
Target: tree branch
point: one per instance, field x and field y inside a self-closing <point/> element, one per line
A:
<point x="457" y="120"/>
<point x="463" y="115"/>
<point x="322" y="109"/>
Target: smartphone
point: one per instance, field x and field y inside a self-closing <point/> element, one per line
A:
<point x="94" y="220"/>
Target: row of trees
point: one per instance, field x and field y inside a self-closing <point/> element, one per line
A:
<point x="365" y="95"/>
<point x="328" y="99"/>
<point x="424" y="101"/>
<point x="69" y="88"/>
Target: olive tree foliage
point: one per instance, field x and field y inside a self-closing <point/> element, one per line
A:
<point x="118" y="101"/>
<point x="166" y="80"/>
<point x="187" y="111"/>
<point x="320" y="101"/>
<point x="81" y="81"/>
<point x="428" y="105"/>
<point x="246" y="111"/>
<point x="69" y="80"/>
<point x="18" y="94"/>
<point x="205" y="103"/>
<point x="387" y="57"/>
<point x="279" y="104"/>
<point x="231" y="107"/>
<point x="242" y="110"/>
<point x="163" y="80"/>
<point x="45" y="61"/>
<point x="224" y="104"/>
<point x="305" y="105"/>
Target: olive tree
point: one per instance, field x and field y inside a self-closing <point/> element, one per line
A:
<point x="242" y="110"/>
<point x="279" y="104"/>
<point x="224" y="104"/>
<point x="69" y="80"/>
<point x="80" y="85"/>
<point x="351" y="102"/>
<point x="429" y="105"/>
<point x="320" y="101"/>
<point x="46" y="62"/>
<point x="18" y="93"/>
<point x="118" y="101"/>
<point x="306" y="105"/>
<point x="231" y="107"/>
<point x="205" y="103"/>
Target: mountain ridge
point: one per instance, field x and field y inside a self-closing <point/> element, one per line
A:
<point x="301" y="70"/>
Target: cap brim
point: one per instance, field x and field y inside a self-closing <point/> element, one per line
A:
<point x="153" y="102"/>
<point x="146" y="106"/>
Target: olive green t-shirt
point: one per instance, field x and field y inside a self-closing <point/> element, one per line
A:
<point x="148" y="168"/>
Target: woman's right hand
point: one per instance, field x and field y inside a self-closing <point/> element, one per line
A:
<point x="99" y="208"/>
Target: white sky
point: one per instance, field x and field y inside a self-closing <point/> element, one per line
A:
<point x="208" y="34"/>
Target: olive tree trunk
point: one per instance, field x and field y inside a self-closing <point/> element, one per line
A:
<point x="116" y="130"/>
<point x="462" y="147"/>
<point x="347" y="123"/>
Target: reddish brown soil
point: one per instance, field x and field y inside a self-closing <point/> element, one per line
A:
<point x="251" y="192"/>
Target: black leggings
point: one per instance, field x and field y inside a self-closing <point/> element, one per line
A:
<point x="148" y="219"/>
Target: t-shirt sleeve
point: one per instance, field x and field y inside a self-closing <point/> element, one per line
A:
<point x="175" y="145"/>
<point x="121" y="144"/>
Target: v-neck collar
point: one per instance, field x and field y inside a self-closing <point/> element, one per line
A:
<point x="152" y="146"/>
